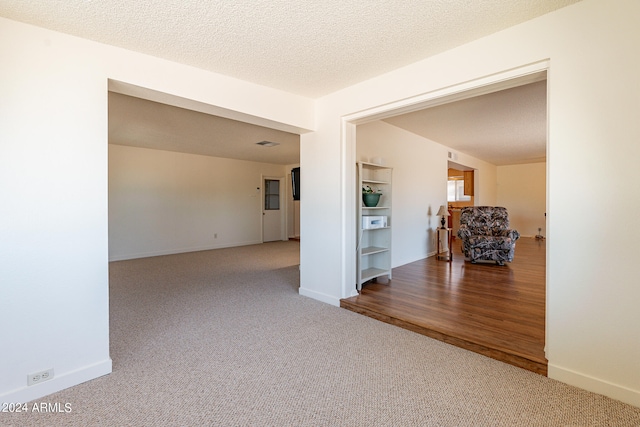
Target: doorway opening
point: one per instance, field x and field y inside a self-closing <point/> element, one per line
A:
<point x="165" y="199"/>
<point x="425" y="212"/>
<point x="184" y="176"/>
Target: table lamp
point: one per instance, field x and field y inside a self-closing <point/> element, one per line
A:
<point x="443" y="211"/>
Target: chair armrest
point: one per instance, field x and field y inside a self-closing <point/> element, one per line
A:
<point x="464" y="232"/>
<point x="513" y="234"/>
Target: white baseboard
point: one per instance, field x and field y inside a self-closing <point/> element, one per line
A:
<point x="58" y="383"/>
<point x="406" y="261"/>
<point x="595" y="385"/>
<point x="125" y="257"/>
<point x="319" y="296"/>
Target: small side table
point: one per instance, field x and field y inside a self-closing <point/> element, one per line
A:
<point x="444" y="235"/>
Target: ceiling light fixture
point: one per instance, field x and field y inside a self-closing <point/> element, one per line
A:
<point x="267" y="143"/>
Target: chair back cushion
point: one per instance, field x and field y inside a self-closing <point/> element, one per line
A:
<point x="485" y="220"/>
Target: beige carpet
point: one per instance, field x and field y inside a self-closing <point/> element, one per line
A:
<point x="223" y="338"/>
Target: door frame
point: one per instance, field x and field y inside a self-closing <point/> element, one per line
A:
<point x="283" y="205"/>
<point x="499" y="81"/>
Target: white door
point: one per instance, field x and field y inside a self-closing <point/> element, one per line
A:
<point x="272" y="209"/>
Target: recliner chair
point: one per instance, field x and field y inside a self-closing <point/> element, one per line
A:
<point x="485" y="234"/>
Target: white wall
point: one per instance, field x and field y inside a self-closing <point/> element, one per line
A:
<point x="419" y="185"/>
<point x="522" y="189"/>
<point x="592" y="316"/>
<point x="53" y="249"/>
<point x="162" y="202"/>
<point x="53" y="186"/>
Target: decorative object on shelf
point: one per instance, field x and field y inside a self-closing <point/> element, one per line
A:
<point x="370" y="222"/>
<point x="443" y="211"/>
<point x="370" y="197"/>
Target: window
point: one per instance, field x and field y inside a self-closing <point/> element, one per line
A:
<point x="271" y="195"/>
<point x="455" y="191"/>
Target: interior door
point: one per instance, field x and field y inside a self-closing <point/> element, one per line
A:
<point x="272" y="209"/>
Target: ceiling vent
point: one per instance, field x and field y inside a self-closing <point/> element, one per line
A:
<point x="267" y="143"/>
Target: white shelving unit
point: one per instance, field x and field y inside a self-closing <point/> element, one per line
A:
<point x="374" y="245"/>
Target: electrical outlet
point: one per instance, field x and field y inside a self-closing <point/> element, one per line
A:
<point x="39" y="377"/>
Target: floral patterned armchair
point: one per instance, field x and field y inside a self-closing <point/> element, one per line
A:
<point x="485" y="234"/>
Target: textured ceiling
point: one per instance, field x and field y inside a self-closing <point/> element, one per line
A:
<point x="140" y="123"/>
<point x="505" y="127"/>
<point x="307" y="47"/>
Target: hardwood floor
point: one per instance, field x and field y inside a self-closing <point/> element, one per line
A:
<point x="492" y="310"/>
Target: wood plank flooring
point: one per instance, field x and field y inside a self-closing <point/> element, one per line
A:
<point x="492" y="310"/>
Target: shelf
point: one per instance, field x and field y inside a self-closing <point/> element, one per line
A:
<point x="375" y="165"/>
<point x="373" y="250"/>
<point x="372" y="273"/>
<point x="373" y="229"/>
<point x="373" y="181"/>
<point x="374" y="246"/>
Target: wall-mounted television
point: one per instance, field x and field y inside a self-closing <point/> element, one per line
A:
<point x="295" y="183"/>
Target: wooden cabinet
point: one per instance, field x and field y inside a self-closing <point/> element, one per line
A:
<point x="373" y="224"/>
<point x="468" y="183"/>
<point x="455" y="222"/>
